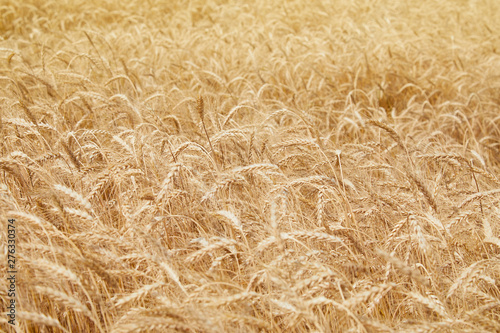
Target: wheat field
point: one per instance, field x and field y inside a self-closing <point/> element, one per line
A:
<point x="267" y="166"/>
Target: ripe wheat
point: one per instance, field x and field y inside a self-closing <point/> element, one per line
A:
<point x="251" y="166"/>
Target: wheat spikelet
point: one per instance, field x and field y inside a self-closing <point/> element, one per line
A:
<point x="173" y="174"/>
<point x="466" y="277"/>
<point x="223" y="243"/>
<point x="217" y="262"/>
<point x="234" y="134"/>
<point x="124" y="145"/>
<point x="481" y="295"/>
<point x="378" y="297"/>
<point x="376" y="166"/>
<point x="172" y="274"/>
<point x="200" y="107"/>
<point x="65" y="299"/>
<point x="365" y="296"/>
<point x="264" y="244"/>
<point x="47" y="266"/>
<point x="255" y="168"/>
<point x="483" y="309"/>
<point x="138" y="294"/>
<point x="314" y="280"/>
<point x="396" y="229"/>
<point x="131" y="113"/>
<point x="19" y="122"/>
<point x="149" y="324"/>
<point x="48" y="127"/>
<point x="93" y="95"/>
<point x="233" y="111"/>
<point x="322" y="180"/>
<point x="392" y="133"/>
<point x="74" y="195"/>
<point x="280" y="147"/>
<point x="425" y="191"/>
<point x="121" y="77"/>
<point x="35" y="220"/>
<point x="71" y="155"/>
<point x="47" y="157"/>
<point x="232" y="218"/>
<point x="228" y="182"/>
<point x="108" y="237"/>
<point x="485" y="174"/>
<point x="321" y="300"/>
<point x="170" y="310"/>
<point x="194" y="146"/>
<point x="478" y="196"/>
<point x="95" y="132"/>
<point x="244" y="297"/>
<point x="40" y="319"/>
<point x="422" y="242"/>
<point x="181" y="148"/>
<point x="75" y="76"/>
<point x="98" y="266"/>
<point x="430" y="303"/>
<point x="289" y="159"/>
<point x="79" y="213"/>
<point x="280" y="112"/>
<point x="102" y="183"/>
<point x="313" y="236"/>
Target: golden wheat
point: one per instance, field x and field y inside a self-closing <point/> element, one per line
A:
<point x="253" y="166"/>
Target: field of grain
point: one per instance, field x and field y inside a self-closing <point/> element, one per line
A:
<point x="268" y="166"/>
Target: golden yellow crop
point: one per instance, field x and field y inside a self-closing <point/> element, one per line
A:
<point x="250" y="166"/>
